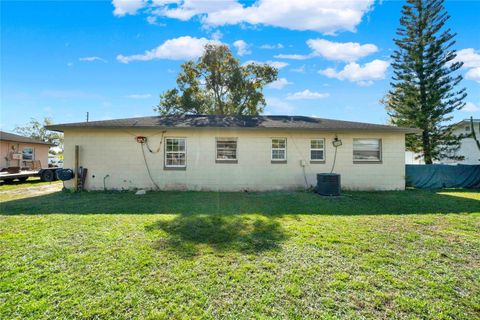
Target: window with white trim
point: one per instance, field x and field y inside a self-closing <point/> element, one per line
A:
<point x="226" y="149"/>
<point x="367" y="150"/>
<point x="27" y="153"/>
<point x="279" y="149"/>
<point x="175" y="152"/>
<point x="317" y="150"/>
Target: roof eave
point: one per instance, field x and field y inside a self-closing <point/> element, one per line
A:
<point x="54" y="128"/>
<point x="28" y="142"/>
<point x="60" y="128"/>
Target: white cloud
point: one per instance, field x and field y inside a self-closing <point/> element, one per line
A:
<point x="139" y="96"/>
<point x="299" y="69"/>
<point x="91" y="59"/>
<point x="217" y="35"/>
<point x="153" y="20"/>
<point x="70" y="64"/>
<point x="471" y="61"/>
<point x="470" y="58"/>
<point x="338" y="51"/>
<point x="186" y="9"/>
<point x="276" y="64"/>
<point x="362" y="75"/>
<point x="271" y="46"/>
<point x="124" y="7"/>
<point x="471" y="107"/>
<point x="292" y="56"/>
<point x="327" y="17"/>
<point x="279" y="83"/>
<point x="307" y="95"/>
<point x="278" y="106"/>
<point x="473" y="74"/>
<point x="242" y="47"/>
<point x="182" y="48"/>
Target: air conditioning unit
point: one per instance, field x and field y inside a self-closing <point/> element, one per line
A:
<point x="328" y="184"/>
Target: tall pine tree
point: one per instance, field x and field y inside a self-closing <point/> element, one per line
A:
<point x="424" y="92"/>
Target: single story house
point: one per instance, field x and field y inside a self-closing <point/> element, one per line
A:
<point x="19" y="151"/>
<point x="234" y="153"/>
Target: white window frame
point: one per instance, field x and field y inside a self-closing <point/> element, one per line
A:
<point x="317" y="149"/>
<point x="272" y="149"/>
<point x="177" y="152"/>
<point x="33" y="153"/>
<point x="366" y="160"/>
<point x="217" y="159"/>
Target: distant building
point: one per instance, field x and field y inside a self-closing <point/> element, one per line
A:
<point x="468" y="147"/>
<point x="413" y="158"/>
<point x="19" y="151"/>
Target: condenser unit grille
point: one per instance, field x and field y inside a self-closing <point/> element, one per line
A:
<point x="328" y="184"/>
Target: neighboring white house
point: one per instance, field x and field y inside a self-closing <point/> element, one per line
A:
<point x="196" y="152"/>
<point x="413" y="158"/>
<point x="468" y="147"/>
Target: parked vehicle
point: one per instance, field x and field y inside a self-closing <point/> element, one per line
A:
<point x="46" y="175"/>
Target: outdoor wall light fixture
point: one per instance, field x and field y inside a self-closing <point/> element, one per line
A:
<point x="336" y="142"/>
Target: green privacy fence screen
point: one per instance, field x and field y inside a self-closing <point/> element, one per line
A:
<point x="436" y="176"/>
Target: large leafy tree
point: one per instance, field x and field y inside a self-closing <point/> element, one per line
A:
<point x="36" y="130"/>
<point x="217" y="84"/>
<point x="424" y="89"/>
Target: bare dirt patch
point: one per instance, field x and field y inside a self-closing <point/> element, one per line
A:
<point x="32" y="191"/>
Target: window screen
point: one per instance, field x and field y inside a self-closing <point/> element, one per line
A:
<point x="367" y="149"/>
<point x="226" y="149"/>
<point x="175" y="152"/>
<point x="317" y="150"/>
<point x="279" y="149"/>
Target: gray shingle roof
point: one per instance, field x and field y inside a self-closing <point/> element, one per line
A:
<point x="214" y="121"/>
<point x="6" y="136"/>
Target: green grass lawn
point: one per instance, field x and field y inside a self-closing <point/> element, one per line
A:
<point x="182" y="255"/>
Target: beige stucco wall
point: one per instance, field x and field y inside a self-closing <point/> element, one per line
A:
<point x="115" y="153"/>
<point x="40" y="152"/>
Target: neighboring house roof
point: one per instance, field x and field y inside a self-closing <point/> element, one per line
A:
<point x="465" y="122"/>
<point x="6" y="136"/>
<point x="214" y="121"/>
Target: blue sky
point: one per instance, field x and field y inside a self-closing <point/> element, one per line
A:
<point x="113" y="59"/>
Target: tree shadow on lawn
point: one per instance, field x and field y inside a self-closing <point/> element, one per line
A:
<point x="221" y="233"/>
<point x="20" y="184"/>
<point x="234" y="203"/>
